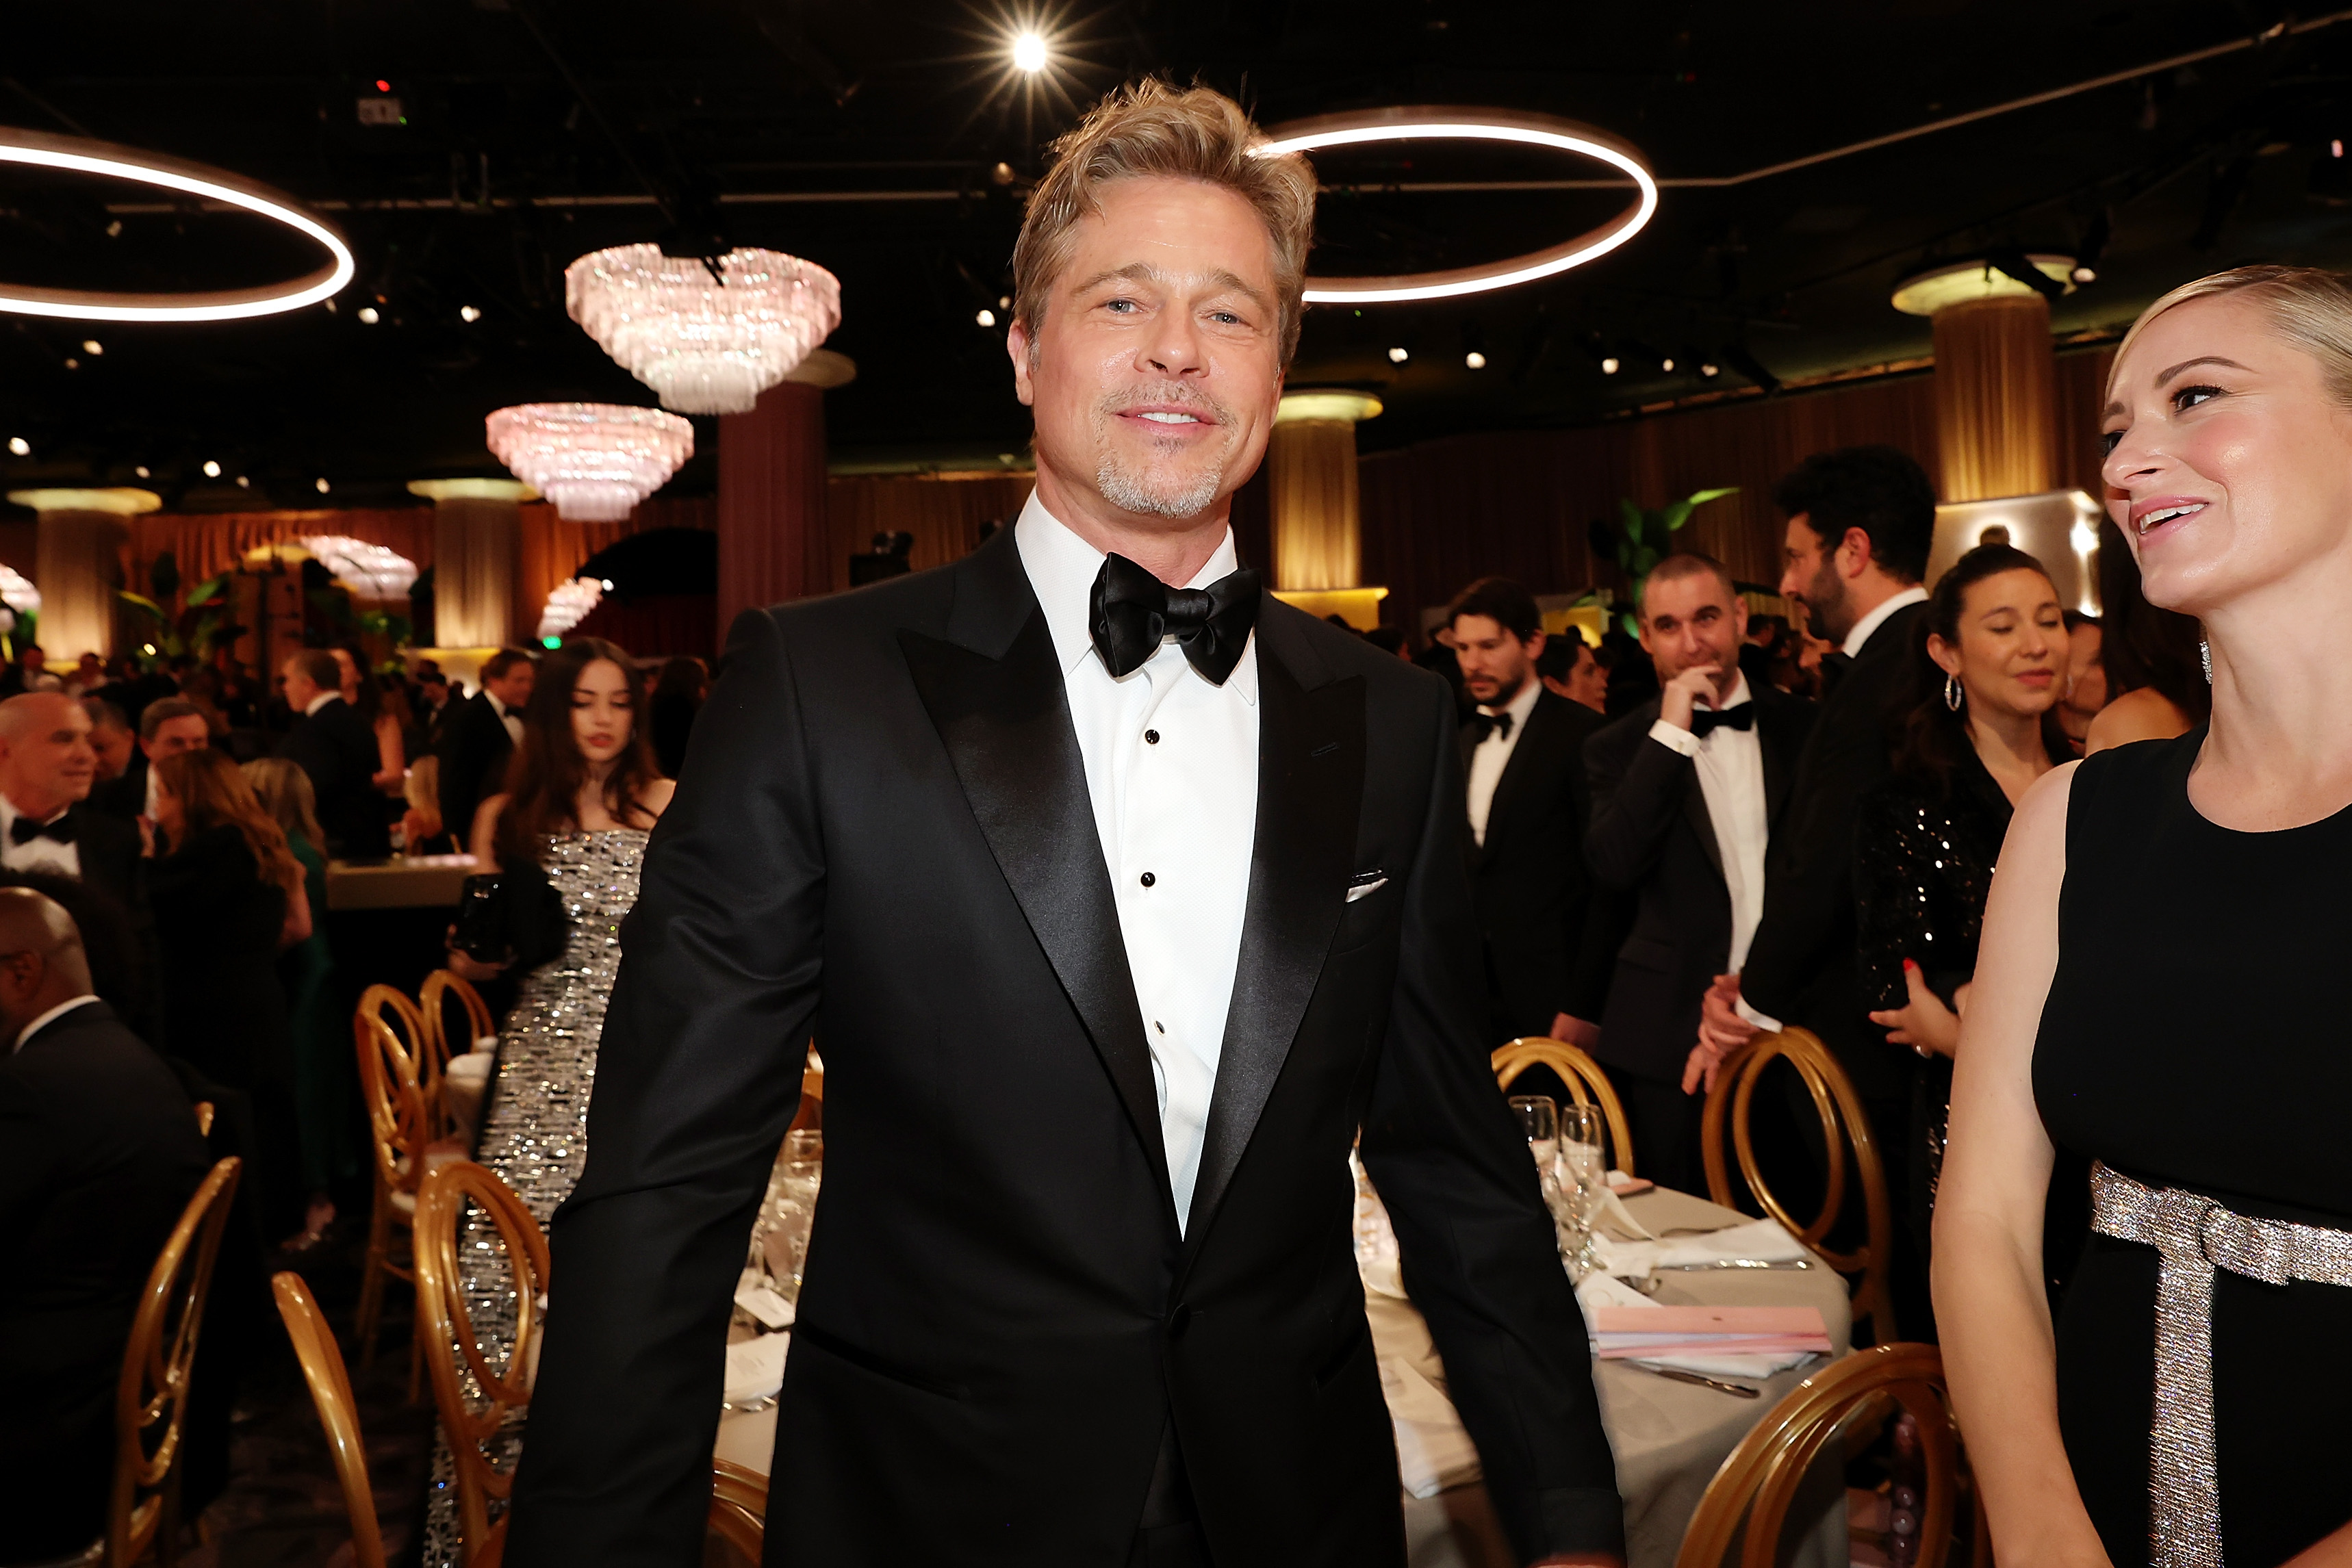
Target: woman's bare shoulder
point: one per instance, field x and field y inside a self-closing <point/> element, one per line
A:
<point x="657" y="797"/>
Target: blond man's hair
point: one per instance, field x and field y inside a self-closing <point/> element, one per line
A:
<point x="2308" y="306"/>
<point x="1151" y="129"/>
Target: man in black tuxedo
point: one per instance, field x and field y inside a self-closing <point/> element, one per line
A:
<point x="1118" y="909"/>
<point x="1523" y="758"/>
<point x="336" y="747"/>
<point x="1688" y="793"/>
<point x="1860" y="523"/>
<point x="99" y="1153"/>
<point x="165" y="729"/>
<point x="478" y="737"/>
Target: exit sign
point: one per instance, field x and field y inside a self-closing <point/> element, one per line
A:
<point x="380" y="111"/>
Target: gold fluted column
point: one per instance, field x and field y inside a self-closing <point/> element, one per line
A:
<point x="1996" y="397"/>
<point x="1311" y="460"/>
<point x="77" y="564"/>
<point x="476" y="546"/>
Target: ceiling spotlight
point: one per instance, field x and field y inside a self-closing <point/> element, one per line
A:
<point x="467" y="313"/>
<point x="20" y="446"/>
<point x="1001" y="173"/>
<point x="72" y="363"/>
<point x="2084" y="273"/>
<point x="1710" y="370"/>
<point x="243" y="483"/>
<point x="1004" y="302"/>
<point x="1399" y="356"/>
<point x="985" y="317"/>
<point x="92" y="346"/>
<point x="1608" y="364"/>
<point x="2335" y="148"/>
<point x="608" y="584"/>
<point x="1029" y="53"/>
<point x="369" y="315"/>
<point x="1667" y="365"/>
<point x="323" y="487"/>
<point x="141" y="471"/>
<point x="114" y="229"/>
<point x="212" y="469"/>
<point x="1475" y="360"/>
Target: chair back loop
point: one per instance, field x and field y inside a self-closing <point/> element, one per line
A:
<point x="330" y="1393"/>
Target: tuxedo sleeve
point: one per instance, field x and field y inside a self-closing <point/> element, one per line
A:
<point x="698" y="1076"/>
<point x="1808" y="922"/>
<point x="1479" y="1256"/>
<point x="1634" y="804"/>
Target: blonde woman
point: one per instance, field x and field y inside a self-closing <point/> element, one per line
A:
<point x="325" y="1077"/>
<point x="2168" y="1015"/>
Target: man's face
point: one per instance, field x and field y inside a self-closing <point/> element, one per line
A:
<point x="1694" y="620"/>
<point x="435" y="692"/>
<point x="50" y="758"/>
<point x="1808" y="574"/>
<point x="174" y="735"/>
<point x="1157" y="363"/>
<point x="301" y="689"/>
<point x="111" y="746"/>
<point x="1586" y="681"/>
<point x="1495" y="664"/>
<point x="91" y="668"/>
<point x="513" y="687"/>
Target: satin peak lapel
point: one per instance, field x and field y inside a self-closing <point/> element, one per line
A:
<point x="1310" y="792"/>
<point x="1006" y="725"/>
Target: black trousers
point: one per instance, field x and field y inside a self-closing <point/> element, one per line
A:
<point x="1665" y="1125"/>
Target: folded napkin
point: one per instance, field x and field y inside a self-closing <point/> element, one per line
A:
<point x="1709" y="1333"/>
<point x="755" y="1368"/>
<point x="1762" y="1240"/>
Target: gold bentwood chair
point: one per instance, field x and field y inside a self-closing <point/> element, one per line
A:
<point x="452" y="1350"/>
<point x="1587" y="1084"/>
<point x="1758" y="1480"/>
<point x="330" y="1392"/>
<point x="441" y="987"/>
<point x="204" y="1118"/>
<point x="400" y="1127"/>
<point x="739" y="1497"/>
<point x="151" y="1399"/>
<point x="1844" y="1125"/>
<point x="393" y="1009"/>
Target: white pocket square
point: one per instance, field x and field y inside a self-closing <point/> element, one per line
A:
<point x="1360" y="889"/>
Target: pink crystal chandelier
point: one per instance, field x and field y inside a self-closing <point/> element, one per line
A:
<point x="370" y="571"/>
<point x="703" y="346"/>
<point x="594" y="460"/>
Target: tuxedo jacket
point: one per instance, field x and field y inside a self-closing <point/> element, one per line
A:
<point x="337" y="748"/>
<point x="1804" y="967"/>
<point x="474" y="749"/>
<point x="126" y="795"/>
<point x="884" y="834"/>
<point x="1527" y="879"/>
<point x="99" y="1153"/>
<point x="1654" y="838"/>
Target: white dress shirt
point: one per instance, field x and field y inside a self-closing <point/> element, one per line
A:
<point x="36" y="854"/>
<point x="1171" y="770"/>
<point x="1730" y="764"/>
<point x="310" y="708"/>
<point x="1492" y="754"/>
<point x="1871" y="622"/>
<point x="39" y="1024"/>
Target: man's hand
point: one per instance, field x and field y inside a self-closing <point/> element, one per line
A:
<point x="1698" y="1071"/>
<point x="1721" y="1028"/>
<point x="1923" y="1023"/>
<point x="1682" y="694"/>
<point x="1575" y="1030"/>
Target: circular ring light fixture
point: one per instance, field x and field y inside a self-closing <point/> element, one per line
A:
<point x="104" y="159"/>
<point x="1354" y="129"/>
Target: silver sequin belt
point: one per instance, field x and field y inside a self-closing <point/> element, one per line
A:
<point x="2193" y="1235"/>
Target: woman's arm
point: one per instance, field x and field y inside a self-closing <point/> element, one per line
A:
<point x="1999" y="1351"/>
<point x="297" y="918"/>
<point x="395" y="765"/>
<point x="485" y="833"/>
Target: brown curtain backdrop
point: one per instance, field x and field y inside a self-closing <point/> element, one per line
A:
<point x="943" y="511"/>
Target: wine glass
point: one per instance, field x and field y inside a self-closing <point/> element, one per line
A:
<point x="1583" y="1182"/>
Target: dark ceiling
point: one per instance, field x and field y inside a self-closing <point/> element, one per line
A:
<point x="867" y="137"/>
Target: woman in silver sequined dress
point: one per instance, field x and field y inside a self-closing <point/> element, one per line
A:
<point x="581" y="794"/>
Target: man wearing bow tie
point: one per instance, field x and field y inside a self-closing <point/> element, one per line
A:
<point x="1120" y="896"/>
<point x="1523" y="758"/>
<point x="1687" y="791"/>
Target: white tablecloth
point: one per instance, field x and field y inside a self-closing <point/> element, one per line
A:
<point x="1669" y="1436"/>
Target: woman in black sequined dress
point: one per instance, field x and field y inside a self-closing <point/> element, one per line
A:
<point x="1988" y="672"/>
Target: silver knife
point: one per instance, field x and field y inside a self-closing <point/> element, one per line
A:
<point x="1679" y="1375"/>
<point x="1742" y="1263"/>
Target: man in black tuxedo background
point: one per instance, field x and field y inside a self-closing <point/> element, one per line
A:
<point x="1186" y="868"/>
<point x="336" y="747"/>
<point x="479" y="736"/>
<point x="1523" y="760"/>
<point x="1687" y="792"/>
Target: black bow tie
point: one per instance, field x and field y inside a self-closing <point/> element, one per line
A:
<point x="1496" y="725"/>
<point x="1706" y="719"/>
<point x="1130" y="611"/>
<point x="24" y="830"/>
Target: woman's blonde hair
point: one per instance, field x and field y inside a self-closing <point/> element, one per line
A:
<point x="1152" y="130"/>
<point x="284" y="792"/>
<point x="2309" y="306"/>
<point x="212" y="793"/>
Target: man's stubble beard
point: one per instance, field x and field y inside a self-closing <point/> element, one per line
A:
<point x="1133" y="488"/>
<point x="1827" y="604"/>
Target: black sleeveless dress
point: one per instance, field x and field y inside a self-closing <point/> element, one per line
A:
<point x="2193" y="1039"/>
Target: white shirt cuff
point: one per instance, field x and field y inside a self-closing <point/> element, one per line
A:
<point x="1764" y="1022"/>
<point x="1675" y="737"/>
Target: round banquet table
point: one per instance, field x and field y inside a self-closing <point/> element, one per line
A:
<point x="1669" y="1436"/>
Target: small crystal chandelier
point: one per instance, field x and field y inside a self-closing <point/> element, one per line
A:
<point x="568" y="604"/>
<point x="370" y="571"/>
<point x="594" y="460"/>
<point x="703" y="347"/>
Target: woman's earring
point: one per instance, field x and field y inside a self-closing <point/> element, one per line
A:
<point x="2205" y="657"/>
<point x="1952" y="692"/>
